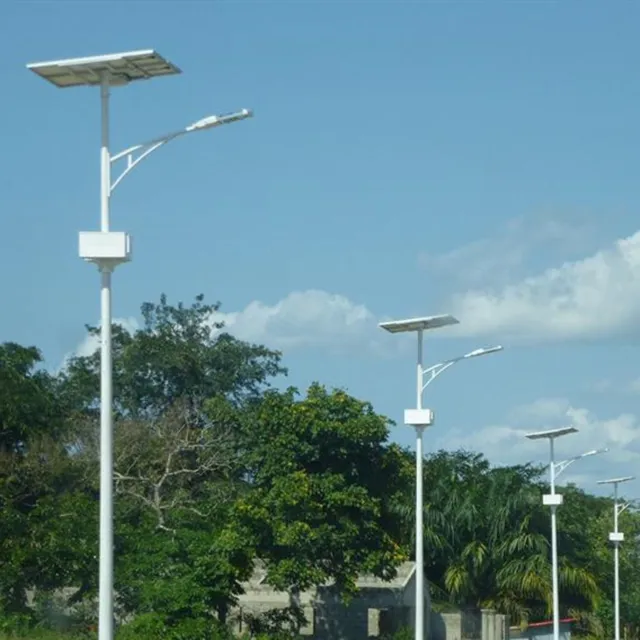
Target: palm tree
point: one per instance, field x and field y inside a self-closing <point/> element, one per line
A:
<point x="486" y="539"/>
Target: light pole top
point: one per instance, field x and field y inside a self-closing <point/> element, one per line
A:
<point x="122" y="68"/>
<point x="594" y="452"/>
<point x="551" y="433"/>
<point x="215" y="120"/>
<point x="482" y="352"/>
<point x="418" y="324"/>
<point x="617" y="480"/>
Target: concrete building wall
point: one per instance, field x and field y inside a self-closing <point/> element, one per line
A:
<point x="380" y="607"/>
<point x="469" y="625"/>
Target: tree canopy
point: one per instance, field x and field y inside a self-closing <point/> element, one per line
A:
<point x="218" y="465"/>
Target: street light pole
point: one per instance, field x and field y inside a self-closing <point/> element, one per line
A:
<point x="420" y="418"/>
<point x="107" y="249"/>
<point x="616" y="537"/>
<point x="105" y="612"/>
<point x="554" y="500"/>
<point x="419" y="613"/>
<point x="616" y="561"/>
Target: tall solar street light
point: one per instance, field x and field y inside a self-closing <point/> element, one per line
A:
<point x="616" y="538"/>
<point x="107" y="249"/>
<point x="554" y="500"/>
<point x="420" y="419"/>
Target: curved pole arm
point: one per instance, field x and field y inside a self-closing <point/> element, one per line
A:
<point x="563" y="464"/>
<point x="435" y="370"/>
<point x="627" y="505"/>
<point x="137" y="153"/>
<point x="143" y="150"/>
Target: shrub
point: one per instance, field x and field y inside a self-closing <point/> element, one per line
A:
<point x="153" y="626"/>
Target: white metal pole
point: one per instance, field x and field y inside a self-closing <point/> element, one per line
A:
<point x="554" y="546"/>
<point x="616" y="562"/>
<point x="105" y="615"/>
<point x="419" y="621"/>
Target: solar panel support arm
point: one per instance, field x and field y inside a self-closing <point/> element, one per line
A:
<point x="137" y="153"/>
<point x="143" y="151"/>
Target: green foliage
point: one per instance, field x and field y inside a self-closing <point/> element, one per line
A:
<point x="29" y="406"/>
<point x="215" y="470"/>
<point x="28" y="626"/>
<point x="46" y="634"/>
<point x="155" y="626"/>
<point x="321" y="483"/>
<point x="179" y="354"/>
<point x="45" y="504"/>
<point x="487" y="540"/>
<point x="276" y="624"/>
<point x="16" y="625"/>
<point x="406" y="633"/>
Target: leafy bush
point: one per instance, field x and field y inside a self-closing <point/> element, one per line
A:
<point x="16" y="626"/>
<point x="276" y="624"/>
<point x="153" y="626"/>
<point x="406" y="633"/>
<point x="14" y="631"/>
<point x="146" y="626"/>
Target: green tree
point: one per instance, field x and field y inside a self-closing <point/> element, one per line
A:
<point x="180" y="354"/>
<point x="322" y="481"/>
<point x="44" y="507"/>
<point x="487" y="539"/>
<point x="214" y="469"/>
<point x="28" y="403"/>
<point x="596" y="521"/>
<point x="181" y="385"/>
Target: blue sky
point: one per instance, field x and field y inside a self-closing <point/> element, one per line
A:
<point x="406" y="158"/>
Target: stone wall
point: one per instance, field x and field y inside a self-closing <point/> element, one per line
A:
<point x="488" y="625"/>
<point x="259" y="599"/>
<point x="371" y="613"/>
<point x="446" y="626"/>
<point x="380" y="608"/>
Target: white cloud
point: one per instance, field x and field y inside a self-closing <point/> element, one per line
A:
<point x="89" y="344"/>
<point x="602" y="386"/>
<point x="309" y="318"/>
<point x="634" y="386"/>
<point x="506" y="444"/>
<point x="498" y="258"/>
<point x="615" y="386"/>
<point x="598" y="296"/>
<point x="542" y="410"/>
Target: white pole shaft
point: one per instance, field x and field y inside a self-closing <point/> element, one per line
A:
<point x="616" y="564"/>
<point x="105" y="615"/>
<point x="554" y="547"/>
<point x="419" y="540"/>
<point x="105" y="160"/>
<point x="419" y="621"/>
<point x="616" y="560"/>
<point x="420" y="375"/>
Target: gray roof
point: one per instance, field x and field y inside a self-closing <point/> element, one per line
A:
<point x="404" y="574"/>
